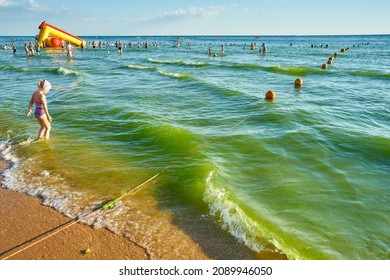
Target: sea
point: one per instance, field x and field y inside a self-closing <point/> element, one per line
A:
<point x="202" y="163"/>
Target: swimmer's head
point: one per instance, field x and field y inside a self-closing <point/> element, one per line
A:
<point x="44" y="85"/>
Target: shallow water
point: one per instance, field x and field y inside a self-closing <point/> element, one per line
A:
<point x="306" y="175"/>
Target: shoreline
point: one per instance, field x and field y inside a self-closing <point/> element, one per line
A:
<point x="23" y="218"/>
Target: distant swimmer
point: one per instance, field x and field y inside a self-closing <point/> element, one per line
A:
<point x="41" y="110"/>
<point x="210" y="51"/>
<point x="14" y="47"/>
<point x="120" y="46"/>
<point x="37" y="47"/>
<point x="263" y="48"/>
<point x="31" y="48"/>
<point x="26" y="49"/>
<point x="69" y="49"/>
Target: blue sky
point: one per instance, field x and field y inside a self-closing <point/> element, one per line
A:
<point x="197" y="17"/>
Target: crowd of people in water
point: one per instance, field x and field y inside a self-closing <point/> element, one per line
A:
<point x="119" y="45"/>
<point x="34" y="48"/>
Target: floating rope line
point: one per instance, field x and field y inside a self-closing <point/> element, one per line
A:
<point x="110" y="203"/>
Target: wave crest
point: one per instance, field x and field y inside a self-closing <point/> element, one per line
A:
<point x="65" y="71"/>
<point x="174" y="75"/>
<point x="232" y="217"/>
<point x="179" y="62"/>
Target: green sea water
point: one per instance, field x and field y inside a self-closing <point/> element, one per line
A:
<point x="304" y="177"/>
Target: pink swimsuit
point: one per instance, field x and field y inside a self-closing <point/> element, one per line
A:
<point x="39" y="110"/>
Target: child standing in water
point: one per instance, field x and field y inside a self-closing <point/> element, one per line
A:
<point x="41" y="109"/>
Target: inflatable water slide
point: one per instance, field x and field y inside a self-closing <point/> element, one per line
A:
<point x="51" y="36"/>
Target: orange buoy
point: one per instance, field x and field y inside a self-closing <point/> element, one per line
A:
<point x="270" y="95"/>
<point x="329" y="61"/>
<point x="335" y="54"/>
<point x="298" y="82"/>
<point x="342" y="50"/>
<point x="331" y="58"/>
<point x="324" y="66"/>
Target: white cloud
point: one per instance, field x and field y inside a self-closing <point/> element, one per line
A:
<point x="5" y="3"/>
<point x="192" y="12"/>
<point x="32" y="4"/>
<point x="22" y="4"/>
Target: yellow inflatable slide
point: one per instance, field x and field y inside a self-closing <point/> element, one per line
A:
<point x="53" y="36"/>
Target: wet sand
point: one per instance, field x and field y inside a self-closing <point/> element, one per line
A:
<point x="23" y="218"/>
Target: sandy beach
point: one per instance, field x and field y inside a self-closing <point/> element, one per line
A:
<point x="22" y="218"/>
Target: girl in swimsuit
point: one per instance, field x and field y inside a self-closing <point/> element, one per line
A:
<point x="41" y="110"/>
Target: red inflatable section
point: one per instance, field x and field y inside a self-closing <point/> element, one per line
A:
<point x="54" y="42"/>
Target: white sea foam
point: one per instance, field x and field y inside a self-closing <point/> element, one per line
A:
<point x="22" y="177"/>
<point x="194" y="63"/>
<point x="54" y="190"/>
<point x="139" y="67"/>
<point x="173" y="75"/>
<point x="7" y="152"/>
<point x="232" y="217"/>
<point x="65" y="71"/>
<point x="26" y="142"/>
<point x="157" y="61"/>
<point x="236" y="222"/>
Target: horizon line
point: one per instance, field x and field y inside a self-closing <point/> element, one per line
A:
<point x="217" y="35"/>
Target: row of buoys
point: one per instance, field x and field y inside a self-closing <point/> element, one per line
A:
<point x="270" y="95"/>
<point x="330" y="60"/>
